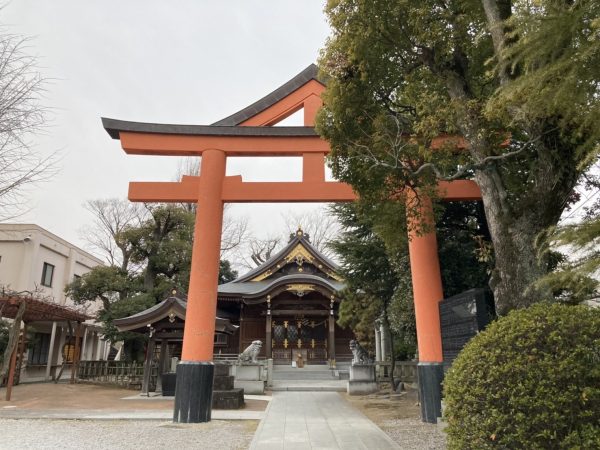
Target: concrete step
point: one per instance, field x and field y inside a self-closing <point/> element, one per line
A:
<point x="304" y="376"/>
<point x="307" y="373"/>
<point x="309" y="386"/>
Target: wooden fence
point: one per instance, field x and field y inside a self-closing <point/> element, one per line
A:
<point x="122" y="373"/>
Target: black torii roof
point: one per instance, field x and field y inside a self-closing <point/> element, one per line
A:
<point x="229" y="125"/>
<point x="310" y="73"/>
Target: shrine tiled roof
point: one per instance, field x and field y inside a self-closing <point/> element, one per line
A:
<point x="264" y="279"/>
<point x="259" y="288"/>
<point x="298" y="238"/>
<point x="171" y="305"/>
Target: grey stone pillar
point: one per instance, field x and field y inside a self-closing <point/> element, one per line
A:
<point x="377" y="342"/>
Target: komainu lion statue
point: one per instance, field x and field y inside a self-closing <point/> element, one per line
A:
<point x="251" y="353"/>
<point x="359" y="354"/>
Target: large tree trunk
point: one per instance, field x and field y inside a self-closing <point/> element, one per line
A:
<point x="516" y="262"/>
<point x="515" y="223"/>
<point x="541" y="181"/>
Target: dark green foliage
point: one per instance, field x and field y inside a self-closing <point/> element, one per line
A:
<point x="104" y="283"/>
<point x="160" y="260"/>
<point x="373" y="250"/>
<point x="163" y="246"/>
<point x="531" y="380"/>
<point x="401" y="73"/>
<point x="123" y="308"/>
<point x="226" y="273"/>
<point x="573" y="279"/>
<point x="462" y="237"/>
<point x="365" y="265"/>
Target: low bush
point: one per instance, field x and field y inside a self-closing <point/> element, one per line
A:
<point x="531" y="380"/>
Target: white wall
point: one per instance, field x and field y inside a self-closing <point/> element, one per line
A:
<point x="24" y="248"/>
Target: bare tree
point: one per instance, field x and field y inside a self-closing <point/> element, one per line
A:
<point x="235" y="229"/>
<point x="111" y="217"/>
<point x="234" y="232"/>
<point x="21" y="115"/>
<point x="319" y="224"/>
<point x="255" y="251"/>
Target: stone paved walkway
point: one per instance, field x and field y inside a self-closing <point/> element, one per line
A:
<point x="317" y="420"/>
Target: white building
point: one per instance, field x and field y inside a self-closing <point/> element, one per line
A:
<point x="33" y="259"/>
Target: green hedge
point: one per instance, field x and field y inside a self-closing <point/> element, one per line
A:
<point x="531" y="380"/>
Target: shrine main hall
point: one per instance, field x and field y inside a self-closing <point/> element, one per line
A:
<point x="290" y="303"/>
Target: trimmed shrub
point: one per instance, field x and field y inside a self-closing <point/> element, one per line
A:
<point x="531" y="380"/>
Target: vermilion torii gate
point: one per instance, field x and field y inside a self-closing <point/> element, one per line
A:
<point x="249" y="132"/>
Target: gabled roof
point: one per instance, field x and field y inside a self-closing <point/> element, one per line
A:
<point x="260" y="281"/>
<point x="299" y="238"/>
<point x="170" y="307"/>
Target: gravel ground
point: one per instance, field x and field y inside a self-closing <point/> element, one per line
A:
<point x="413" y="434"/>
<point x="80" y="434"/>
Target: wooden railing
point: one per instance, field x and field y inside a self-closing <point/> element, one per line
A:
<point x="122" y="373"/>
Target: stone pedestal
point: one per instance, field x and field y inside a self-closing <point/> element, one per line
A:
<point x="362" y="379"/>
<point x="249" y="378"/>
<point x="430" y="377"/>
<point x="225" y="395"/>
<point x="168" y="384"/>
<point x="193" y="392"/>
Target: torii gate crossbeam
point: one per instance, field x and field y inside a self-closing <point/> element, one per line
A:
<point x="248" y="133"/>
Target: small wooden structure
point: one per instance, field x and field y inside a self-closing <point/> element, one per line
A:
<point x="25" y="309"/>
<point x="164" y="322"/>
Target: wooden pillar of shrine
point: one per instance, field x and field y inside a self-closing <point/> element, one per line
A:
<point x="331" y="339"/>
<point x="148" y="363"/>
<point x="427" y="292"/>
<point x="162" y="363"/>
<point x="268" y="336"/>
<point x="193" y="393"/>
<point x="269" y="331"/>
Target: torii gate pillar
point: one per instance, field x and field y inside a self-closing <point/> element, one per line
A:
<point x="427" y="292"/>
<point x="193" y="395"/>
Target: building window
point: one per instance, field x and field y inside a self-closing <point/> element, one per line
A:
<point x="47" y="274"/>
<point x="38" y="354"/>
<point x="220" y="339"/>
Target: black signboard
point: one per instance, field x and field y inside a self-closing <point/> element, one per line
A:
<point x="462" y="317"/>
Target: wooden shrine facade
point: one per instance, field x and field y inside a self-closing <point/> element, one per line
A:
<point x="290" y="303"/>
<point x="163" y="323"/>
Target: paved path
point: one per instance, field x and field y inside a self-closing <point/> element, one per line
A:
<point x="317" y="420"/>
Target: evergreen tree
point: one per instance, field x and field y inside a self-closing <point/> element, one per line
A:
<point x="373" y="250"/>
<point x="517" y="80"/>
<point x="160" y="256"/>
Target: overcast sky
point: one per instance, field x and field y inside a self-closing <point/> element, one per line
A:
<point x="189" y="61"/>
